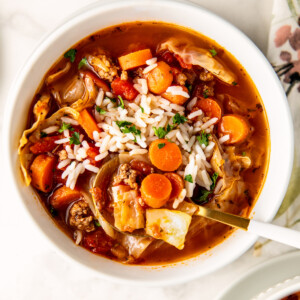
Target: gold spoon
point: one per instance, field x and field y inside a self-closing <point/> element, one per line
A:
<point x="277" y="233"/>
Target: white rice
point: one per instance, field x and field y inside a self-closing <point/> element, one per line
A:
<point x="151" y="61"/>
<point x="195" y="114"/>
<point x="69" y="121"/>
<point x="50" y="129"/>
<point x="224" y="138"/>
<point x="62" y="141"/>
<point x="209" y="123"/>
<point x="149" y="68"/>
<point x="145" y="112"/>
<point x="63" y="163"/>
<point x="177" y="90"/>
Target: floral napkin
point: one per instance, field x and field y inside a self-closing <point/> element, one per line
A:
<point x="284" y="55"/>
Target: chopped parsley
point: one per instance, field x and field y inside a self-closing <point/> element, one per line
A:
<point x="204" y="194"/>
<point x="74" y="139"/>
<point x="123" y="123"/>
<point x="213" y="52"/>
<point x="100" y="110"/>
<point x="121" y="102"/>
<point x="128" y="127"/>
<point x="203" y="138"/>
<point x="243" y="153"/>
<point x="71" y="54"/>
<point x="214" y="178"/>
<point x="97" y="224"/>
<point x="189" y="87"/>
<point x="53" y="211"/>
<point x="234" y="83"/>
<point x="82" y="63"/>
<point x="142" y="109"/>
<point x="161" y="132"/>
<point x="188" y="178"/>
<point x="179" y="119"/>
<point x="161" y="145"/>
<point x="205" y="93"/>
<point x="43" y="134"/>
<point x="65" y="126"/>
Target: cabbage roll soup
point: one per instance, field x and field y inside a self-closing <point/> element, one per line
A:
<point x="132" y="129"/>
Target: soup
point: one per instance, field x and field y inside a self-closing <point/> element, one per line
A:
<point x="134" y="127"/>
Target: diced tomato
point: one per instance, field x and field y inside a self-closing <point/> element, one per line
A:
<point x="124" y="88"/>
<point x="45" y="144"/>
<point x="182" y="63"/>
<point x="99" y="82"/>
<point x="92" y="152"/>
<point x="98" y="242"/>
<point x="168" y="57"/>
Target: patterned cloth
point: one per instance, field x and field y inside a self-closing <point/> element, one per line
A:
<point x="284" y="55"/>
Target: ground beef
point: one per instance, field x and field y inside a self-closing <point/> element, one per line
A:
<point x="81" y="217"/>
<point x="127" y="175"/>
<point x="206" y="76"/>
<point x="104" y="67"/>
<point x="124" y="75"/>
<point x="62" y="155"/>
<point x="180" y="78"/>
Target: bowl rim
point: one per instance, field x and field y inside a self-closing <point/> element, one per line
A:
<point x="47" y="40"/>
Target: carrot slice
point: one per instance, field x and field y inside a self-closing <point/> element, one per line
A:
<point x="210" y="107"/>
<point x="88" y="123"/>
<point x="41" y="171"/>
<point x="177" y="185"/>
<point x="156" y="190"/>
<point x="165" y="155"/>
<point x="160" y="78"/>
<point x="177" y="99"/>
<point x="237" y="128"/>
<point x="63" y="196"/>
<point x="134" y="59"/>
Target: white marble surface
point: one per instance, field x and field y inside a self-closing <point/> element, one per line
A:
<point x="29" y="267"/>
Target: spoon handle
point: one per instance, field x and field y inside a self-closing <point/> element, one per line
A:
<point x="273" y="232"/>
<point x="276" y="233"/>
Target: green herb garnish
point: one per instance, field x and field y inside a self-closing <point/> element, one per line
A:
<point x="213" y="52"/>
<point x="179" y="119"/>
<point x="189" y="87"/>
<point x="234" y="83"/>
<point x="188" y="178"/>
<point x="71" y="54"/>
<point x="243" y="153"/>
<point x="121" y="102"/>
<point x="123" y="123"/>
<point x="65" y="126"/>
<point x="97" y="224"/>
<point x="82" y="63"/>
<point x="161" y="145"/>
<point x="160" y="132"/>
<point x="74" y="139"/>
<point x="100" y="110"/>
<point x="43" y="134"/>
<point x="128" y="127"/>
<point x="205" y="94"/>
<point x="142" y="109"/>
<point x="203" y="138"/>
<point x="53" y="211"/>
<point x="203" y="198"/>
<point x="214" y="178"/>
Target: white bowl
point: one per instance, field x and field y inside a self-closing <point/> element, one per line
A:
<point x="100" y="16"/>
